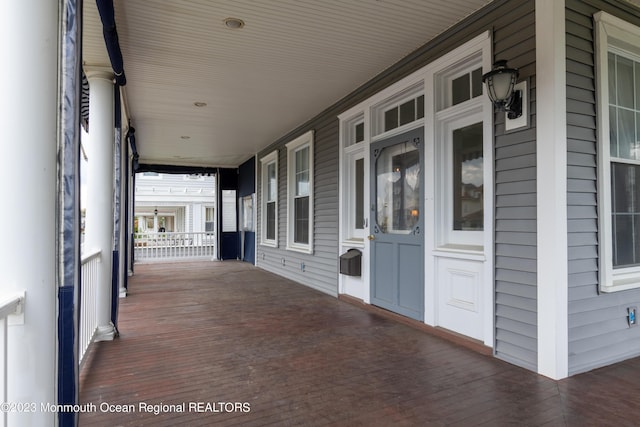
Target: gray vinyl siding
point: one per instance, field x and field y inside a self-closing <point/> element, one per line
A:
<point x="321" y="267"/>
<point x="515" y="201"/>
<point x="598" y="330"/>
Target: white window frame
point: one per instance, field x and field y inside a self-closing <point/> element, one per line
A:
<point x="456" y="117"/>
<point x="611" y="33"/>
<point x="303" y="141"/>
<point x="269" y="159"/>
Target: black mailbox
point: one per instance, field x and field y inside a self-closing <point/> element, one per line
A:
<point x="351" y="263"/>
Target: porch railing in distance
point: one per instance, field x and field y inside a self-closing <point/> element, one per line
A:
<point x="88" y="301"/>
<point x="173" y="246"/>
<point x="9" y="305"/>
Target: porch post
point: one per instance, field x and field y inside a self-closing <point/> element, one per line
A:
<point x="552" y="265"/>
<point x="100" y="209"/>
<point x="28" y="171"/>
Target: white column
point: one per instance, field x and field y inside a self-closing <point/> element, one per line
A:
<point x="28" y="168"/>
<point x="99" y="221"/>
<point x="552" y="265"/>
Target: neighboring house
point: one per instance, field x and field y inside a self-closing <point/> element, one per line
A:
<point x="174" y="203"/>
<point x="546" y="270"/>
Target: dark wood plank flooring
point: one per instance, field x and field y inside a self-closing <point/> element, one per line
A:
<point x="215" y="332"/>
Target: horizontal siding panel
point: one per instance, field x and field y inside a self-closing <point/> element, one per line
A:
<point x="582" y="265"/>
<point x="523" y="278"/>
<point x="518" y="162"/>
<point x="515" y="301"/>
<point x="625" y="349"/>
<point x="580" y="82"/>
<point x="519" y="225"/>
<point x="582" y="43"/>
<point x="515" y="150"/>
<point x="581" y="185"/>
<point x="513" y="313"/>
<point x="581" y="95"/>
<point x="517" y="289"/>
<point x="523" y="212"/>
<point x="516" y="264"/>
<point x="582" y="133"/>
<point x="582" y="225"/>
<point x="581" y="146"/>
<point x="581" y="212"/>
<point x="583" y="239"/>
<point x="583" y="252"/>
<point x="518" y="340"/>
<point x="581" y="107"/>
<point x="586" y="278"/>
<point x="579" y="23"/>
<point x="516" y="355"/>
<point x="581" y="159"/>
<point x="584" y="333"/>
<point x="581" y="172"/>
<point x="579" y="55"/>
<point x="581" y="120"/>
<point x="514" y="175"/>
<point x="582" y="199"/>
<point x="517" y="251"/>
<point x="527" y="199"/>
<point x="520" y="328"/>
<point x="577" y="293"/>
<point x="516" y="238"/>
<point x="518" y="187"/>
<point x="580" y="69"/>
<point x="528" y="135"/>
<point x="599" y="342"/>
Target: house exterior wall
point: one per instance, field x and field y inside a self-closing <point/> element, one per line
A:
<point x="598" y="330"/>
<point x="176" y="194"/>
<point x="515" y="277"/>
<point x="512" y="26"/>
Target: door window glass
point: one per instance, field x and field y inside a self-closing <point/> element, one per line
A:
<point x="398" y="188"/>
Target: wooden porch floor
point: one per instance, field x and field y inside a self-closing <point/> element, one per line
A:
<point x="228" y="332"/>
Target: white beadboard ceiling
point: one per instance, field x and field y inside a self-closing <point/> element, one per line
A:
<point x="292" y="59"/>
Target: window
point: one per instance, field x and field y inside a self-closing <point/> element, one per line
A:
<point x="399" y="111"/>
<point x="209" y="220"/>
<point x="459" y="83"/>
<point x="269" y="225"/>
<point x="246" y="209"/>
<point x="467" y="178"/>
<point x="618" y="85"/>
<point x="300" y="194"/>
<point x="406" y="112"/>
<point x="229" y="218"/>
<point x="353" y="212"/>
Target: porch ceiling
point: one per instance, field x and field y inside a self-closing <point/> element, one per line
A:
<point x="292" y="59"/>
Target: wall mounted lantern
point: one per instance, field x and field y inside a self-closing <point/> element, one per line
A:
<point x="501" y="85"/>
<point x="155" y="212"/>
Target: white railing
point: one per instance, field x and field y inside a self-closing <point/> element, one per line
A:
<point x="173" y="246"/>
<point x="11" y="305"/>
<point x="88" y="302"/>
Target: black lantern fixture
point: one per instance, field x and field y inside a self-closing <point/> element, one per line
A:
<point x="501" y="82"/>
<point x="155" y="212"/>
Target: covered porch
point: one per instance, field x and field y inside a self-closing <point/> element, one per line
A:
<point x="229" y="332"/>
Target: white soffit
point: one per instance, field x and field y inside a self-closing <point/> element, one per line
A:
<point x="292" y="59"/>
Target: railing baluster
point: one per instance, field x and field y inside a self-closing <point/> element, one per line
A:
<point x="88" y="303"/>
<point x="173" y="246"/>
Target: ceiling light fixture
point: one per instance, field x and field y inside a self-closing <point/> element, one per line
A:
<point x="185" y="137"/>
<point x="233" y="23"/>
<point x="200" y="104"/>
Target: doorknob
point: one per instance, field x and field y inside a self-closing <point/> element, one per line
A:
<point x="371" y="237"/>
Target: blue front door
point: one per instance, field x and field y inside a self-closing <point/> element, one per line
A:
<point x="397" y="224"/>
